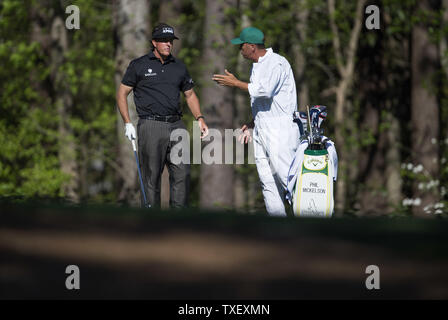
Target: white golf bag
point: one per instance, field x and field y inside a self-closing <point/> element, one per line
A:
<point x="313" y="172"/>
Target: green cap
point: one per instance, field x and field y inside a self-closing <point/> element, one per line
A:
<point x="249" y="35"/>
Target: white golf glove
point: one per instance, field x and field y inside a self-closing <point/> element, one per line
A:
<point x="130" y="131"/>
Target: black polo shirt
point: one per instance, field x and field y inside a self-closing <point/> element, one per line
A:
<point x="157" y="86"/>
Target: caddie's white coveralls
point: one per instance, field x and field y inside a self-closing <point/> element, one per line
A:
<point x="276" y="137"/>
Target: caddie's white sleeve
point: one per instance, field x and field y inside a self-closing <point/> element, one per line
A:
<point x="294" y="169"/>
<point x="266" y="83"/>
<point x="334" y="156"/>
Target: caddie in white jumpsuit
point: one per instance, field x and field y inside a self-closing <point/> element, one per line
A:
<point x="273" y="100"/>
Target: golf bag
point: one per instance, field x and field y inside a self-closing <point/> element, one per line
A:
<point x="314" y="168"/>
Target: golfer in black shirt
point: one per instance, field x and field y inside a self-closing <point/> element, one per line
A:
<point x="157" y="80"/>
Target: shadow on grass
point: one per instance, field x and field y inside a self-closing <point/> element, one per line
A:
<point x="195" y="254"/>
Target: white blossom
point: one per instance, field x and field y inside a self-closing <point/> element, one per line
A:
<point x="418" y="169"/>
<point x="439" y="205"/>
<point x="417" y="202"/>
<point x="432" y="183"/>
<point x="433" y="140"/>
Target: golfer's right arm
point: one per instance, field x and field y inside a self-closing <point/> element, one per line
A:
<point x="122" y="95"/>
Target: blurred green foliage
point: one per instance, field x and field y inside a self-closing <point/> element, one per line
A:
<point x="29" y="164"/>
<point x="28" y="139"/>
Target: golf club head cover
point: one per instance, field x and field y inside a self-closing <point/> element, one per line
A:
<point x="297" y="119"/>
<point x="318" y="114"/>
<point x="304" y="119"/>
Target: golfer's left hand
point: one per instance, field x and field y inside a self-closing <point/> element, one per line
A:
<point x="225" y="80"/>
<point x="130" y="131"/>
<point x="203" y="127"/>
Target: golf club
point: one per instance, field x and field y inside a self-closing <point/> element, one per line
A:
<point x="300" y="119"/>
<point x="309" y="123"/>
<point x="322" y="117"/>
<point x="147" y="205"/>
<point x="318" y="114"/>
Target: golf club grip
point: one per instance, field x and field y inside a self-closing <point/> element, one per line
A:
<point x="133" y="145"/>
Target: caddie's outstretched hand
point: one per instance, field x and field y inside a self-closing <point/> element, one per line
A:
<point x="227" y="79"/>
<point x="203" y="127"/>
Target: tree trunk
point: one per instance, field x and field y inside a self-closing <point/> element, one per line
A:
<point x="444" y="51"/>
<point x="346" y="71"/>
<point x="341" y="184"/>
<point x="64" y="102"/>
<point x="301" y="13"/>
<point x="379" y="177"/>
<point x="380" y="166"/>
<point x="393" y="164"/>
<point x="443" y="39"/>
<point x="372" y="158"/>
<point x="425" y="108"/>
<point x="243" y="115"/>
<point x="131" y="19"/>
<point x="216" y="190"/>
<point x="49" y="31"/>
<point x="394" y="183"/>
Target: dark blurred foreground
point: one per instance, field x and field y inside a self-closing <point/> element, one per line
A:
<point x="128" y="253"/>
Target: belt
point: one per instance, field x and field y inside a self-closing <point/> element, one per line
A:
<point x="172" y="118"/>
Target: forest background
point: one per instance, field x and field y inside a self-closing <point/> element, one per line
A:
<point x="386" y="91"/>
